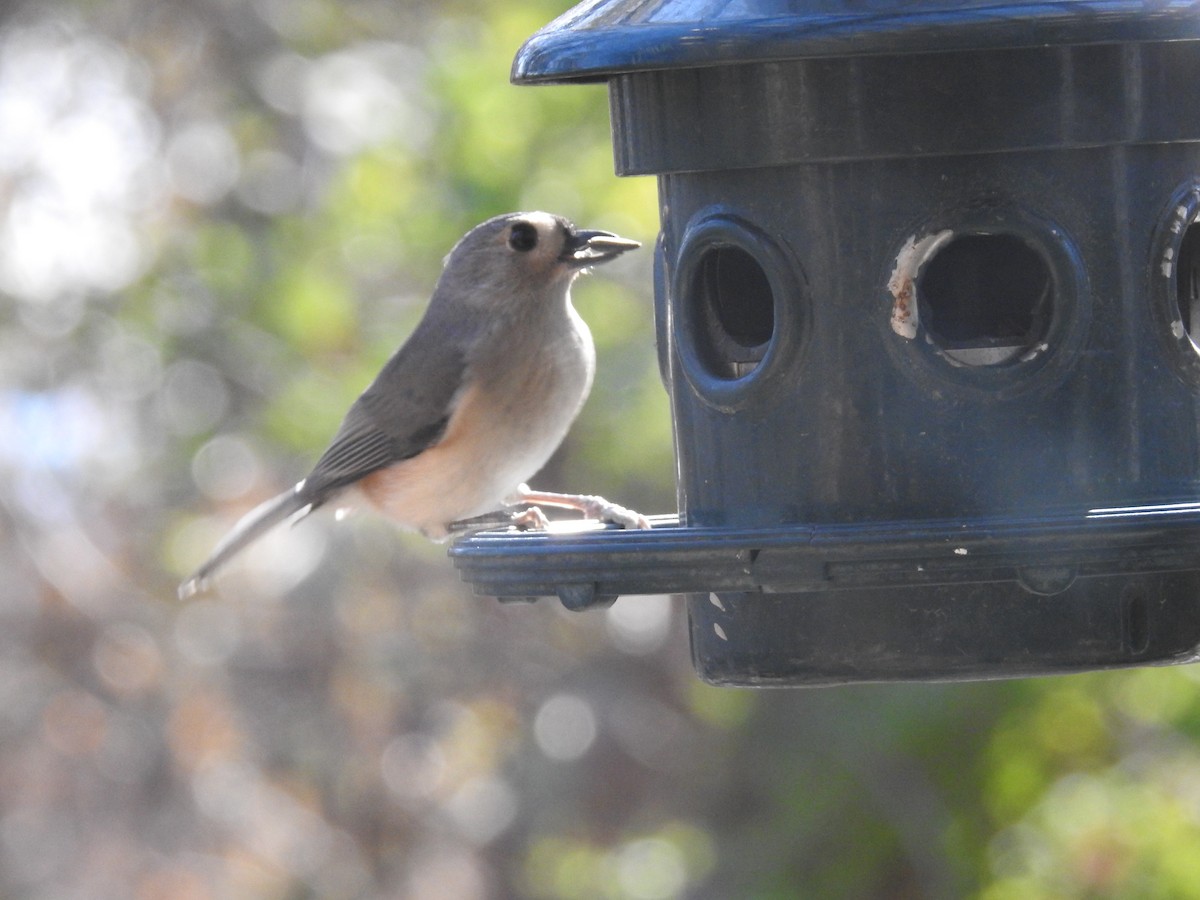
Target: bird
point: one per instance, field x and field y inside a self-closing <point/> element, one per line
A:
<point x="472" y="404"/>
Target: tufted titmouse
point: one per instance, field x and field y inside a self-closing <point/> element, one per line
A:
<point x="474" y="402"/>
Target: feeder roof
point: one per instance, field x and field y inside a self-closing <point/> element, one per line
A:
<point x="601" y="38"/>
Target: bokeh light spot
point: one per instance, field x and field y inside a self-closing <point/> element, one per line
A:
<point x="565" y="727"/>
<point x="203" y="161"/>
<point x="482" y="809"/>
<point x="225" y="468"/>
<point x="639" y="625"/>
<point x="127" y="659"/>
<point x="651" y="869"/>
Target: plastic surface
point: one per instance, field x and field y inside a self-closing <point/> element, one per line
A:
<point x="1041" y="556"/>
<point x="606" y="37"/>
<point x="879" y="108"/>
<point x="919" y="600"/>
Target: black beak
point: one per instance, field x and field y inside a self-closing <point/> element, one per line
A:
<point x="587" y="248"/>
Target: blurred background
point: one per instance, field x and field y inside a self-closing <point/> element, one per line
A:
<point x="217" y="219"/>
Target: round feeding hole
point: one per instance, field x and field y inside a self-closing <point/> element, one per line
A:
<point x="1176" y="270"/>
<point x="986" y="299"/>
<point x="734" y="310"/>
<point x="1187" y="281"/>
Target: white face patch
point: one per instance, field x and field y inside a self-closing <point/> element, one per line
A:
<point x="551" y="235"/>
<point x="542" y="221"/>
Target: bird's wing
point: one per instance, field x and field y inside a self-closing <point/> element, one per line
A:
<point x="404" y="411"/>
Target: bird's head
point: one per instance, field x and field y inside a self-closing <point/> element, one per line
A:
<point x="519" y="254"/>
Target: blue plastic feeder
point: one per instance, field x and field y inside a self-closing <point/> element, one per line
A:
<point x="928" y="304"/>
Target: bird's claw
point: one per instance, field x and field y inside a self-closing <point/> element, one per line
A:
<point x="598" y="508"/>
<point x="531" y="519"/>
<point x="590" y="505"/>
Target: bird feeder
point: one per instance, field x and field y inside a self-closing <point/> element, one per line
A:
<point x="928" y="304"/>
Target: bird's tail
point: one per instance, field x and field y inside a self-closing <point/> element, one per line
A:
<point x="252" y="526"/>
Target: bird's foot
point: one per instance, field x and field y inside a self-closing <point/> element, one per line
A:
<point x="591" y="506"/>
<point x="531" y="519"/>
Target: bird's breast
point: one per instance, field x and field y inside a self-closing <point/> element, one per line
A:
<point x="507" y="422"/>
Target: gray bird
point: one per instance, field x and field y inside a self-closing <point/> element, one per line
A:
<point x="475" y="401"/>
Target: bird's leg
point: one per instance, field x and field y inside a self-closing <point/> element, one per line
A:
<point x="531" y="519"/>
<point x="591" y="506"/>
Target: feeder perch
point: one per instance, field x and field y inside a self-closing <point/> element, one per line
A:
<point x="927" y="307"/>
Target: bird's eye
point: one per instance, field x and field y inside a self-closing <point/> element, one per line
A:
<point x="523" y="237"/>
